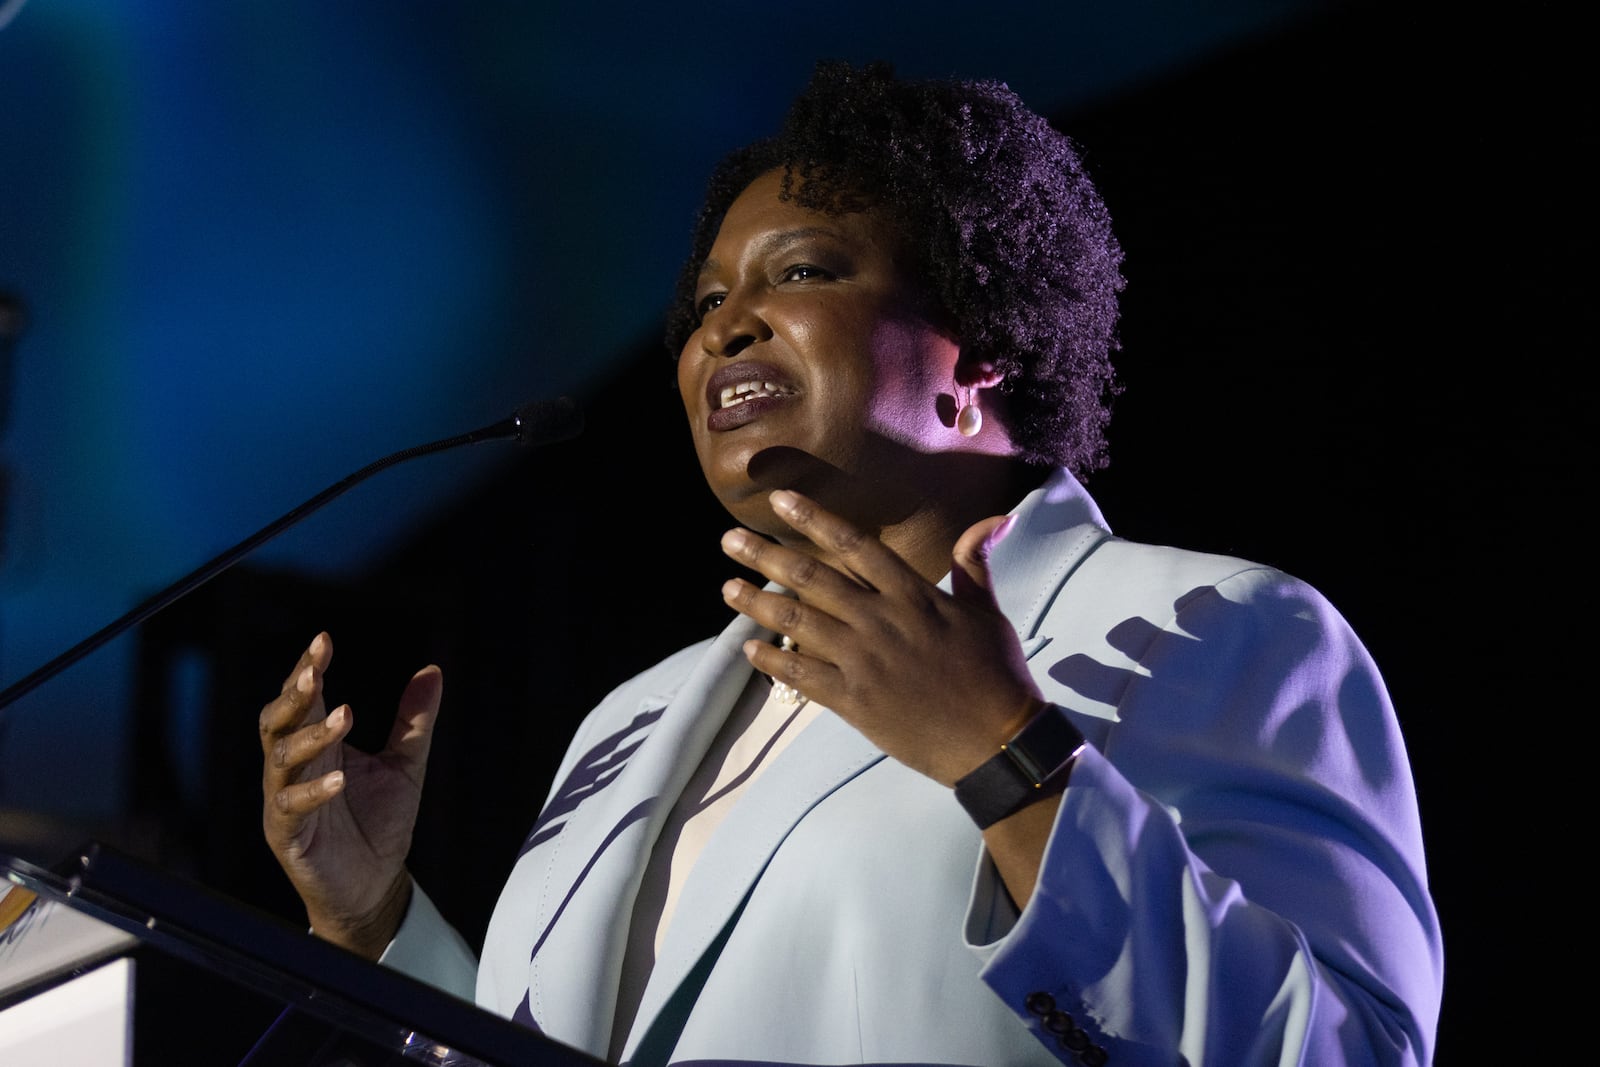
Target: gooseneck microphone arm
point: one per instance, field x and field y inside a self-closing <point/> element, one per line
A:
<point x="540" y="422"/>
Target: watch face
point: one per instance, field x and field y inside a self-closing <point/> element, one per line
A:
<point x="1042" y="747"/>
<point x="1026" y="770"/>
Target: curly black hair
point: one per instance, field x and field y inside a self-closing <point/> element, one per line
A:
<point x="1009" y="235"/>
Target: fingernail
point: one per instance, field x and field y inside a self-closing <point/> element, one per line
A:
<point x="730" y="589"/>
<point x="333" y="782"/>
<point x="305" y="682"/>
<point x="784" y="502"/>
<point x="336" y="718"/>
<point x="317" y="644"/>
<point x="735" y="541"/>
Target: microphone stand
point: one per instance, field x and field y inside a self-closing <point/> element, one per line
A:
<point x="537" y="423"/>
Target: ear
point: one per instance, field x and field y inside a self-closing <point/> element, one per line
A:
<point x="975" y="372"/>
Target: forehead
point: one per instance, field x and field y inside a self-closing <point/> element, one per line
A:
<point x="760" y="218"/>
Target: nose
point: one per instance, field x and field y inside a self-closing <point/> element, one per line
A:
<point x="733" y="326"/>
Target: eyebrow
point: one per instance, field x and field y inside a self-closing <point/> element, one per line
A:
<point x="772" y="242"/>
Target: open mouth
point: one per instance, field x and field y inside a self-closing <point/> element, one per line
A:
<point x="744" y="392"/>
<point x="741" y="392"/>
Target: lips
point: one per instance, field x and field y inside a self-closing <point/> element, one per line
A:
<point x="739" y="393"/>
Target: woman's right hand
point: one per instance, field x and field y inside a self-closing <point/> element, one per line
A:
<point x="339" y="820"/>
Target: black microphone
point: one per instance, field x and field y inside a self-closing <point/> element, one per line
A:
<point x="539" y="422"/>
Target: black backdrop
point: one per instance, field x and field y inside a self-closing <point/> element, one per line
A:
<point x="1353" y="259"/>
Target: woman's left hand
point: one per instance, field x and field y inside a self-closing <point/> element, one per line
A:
<point x="936" y="680"/>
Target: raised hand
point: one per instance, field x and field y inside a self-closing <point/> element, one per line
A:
<point x="936" y="680"/>
<point x="339" y="820"/>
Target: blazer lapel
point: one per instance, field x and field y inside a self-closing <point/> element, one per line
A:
<point x="826" y="755"/>
<point x="616" y="829"/>
<point x="1057" y="525"/>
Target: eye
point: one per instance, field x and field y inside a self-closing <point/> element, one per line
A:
<point x="801" y="272"/>
<point x="709" y="303"/>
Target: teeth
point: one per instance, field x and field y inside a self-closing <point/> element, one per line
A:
<point x="737" y="394"/>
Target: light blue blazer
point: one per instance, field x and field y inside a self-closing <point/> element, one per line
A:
<point x="1235" y="875"/>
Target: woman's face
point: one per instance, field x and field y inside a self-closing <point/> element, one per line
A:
<point x="814" y="366"/>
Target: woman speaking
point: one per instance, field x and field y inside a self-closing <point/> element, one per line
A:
<point x="968" y="780"/>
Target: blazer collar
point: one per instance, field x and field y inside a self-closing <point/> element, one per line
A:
<point x="1056" y="526"/>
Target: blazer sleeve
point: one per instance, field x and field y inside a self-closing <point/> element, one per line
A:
<point x="428" y="948"/>
<point x="1235" y="874"/>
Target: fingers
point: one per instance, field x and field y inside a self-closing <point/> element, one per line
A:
<point x="830" y="608"/>
<point x="296" y="802"/>
<point x="969" y="575"/>
<point x="814" y="677"/>
<point x="857" y="562"/>
<point x="318" y="654"/>
<point x="412" y="733"/>
<point x="299" y="702"/>
<point x="814" y="672"/>
<point x="293" y="751"/>
<point x="290" y="802"/>
<point x="864" y="556"/>
<point x="296" y="732"/>
<point x="806" y="575"/>
<point x="808" y="625"/>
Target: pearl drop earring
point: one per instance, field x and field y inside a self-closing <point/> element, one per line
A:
<point x="969" y="420"/>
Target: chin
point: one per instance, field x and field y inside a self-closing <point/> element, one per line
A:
<point x="743" y="482"/>
<point x="749" y="508"/>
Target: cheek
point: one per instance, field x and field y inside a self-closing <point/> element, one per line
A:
<point x="912" y="369"/>
<point x="685" y="373"/>
<point x="691" y="396"/>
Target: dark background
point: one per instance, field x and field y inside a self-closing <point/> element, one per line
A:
<point x="1350" y="350"/>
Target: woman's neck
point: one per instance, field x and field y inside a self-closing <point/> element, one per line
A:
<point x="922" y="527"/>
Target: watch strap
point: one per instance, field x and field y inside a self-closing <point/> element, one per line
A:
<point x="1031" y="766"/>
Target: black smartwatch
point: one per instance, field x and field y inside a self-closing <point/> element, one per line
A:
<point x="1031" y="766"/>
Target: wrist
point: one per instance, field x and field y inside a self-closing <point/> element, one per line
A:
<point x="367" y="935"/>
<point x="1030" y="767"/>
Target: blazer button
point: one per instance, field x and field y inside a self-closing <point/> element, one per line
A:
<point x="1093" y="1056"/>
<point x="1040" y="1004"/>
<point x="1059" y="1022"/>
